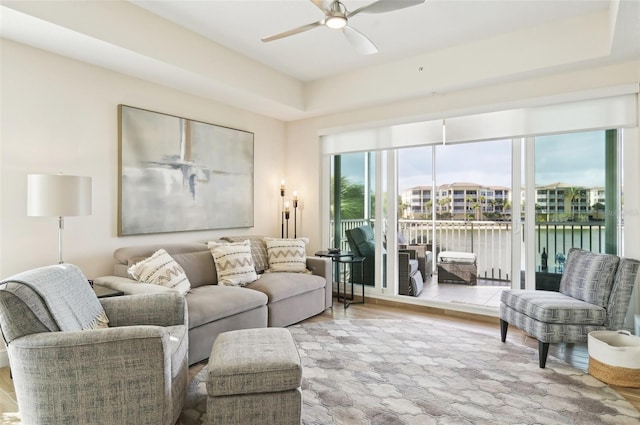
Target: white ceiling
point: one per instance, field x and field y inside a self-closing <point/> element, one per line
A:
<point x="434" y="25"/>
<point x="212" y="48"/>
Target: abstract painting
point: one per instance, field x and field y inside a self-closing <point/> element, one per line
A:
<point x="178" y="174"/>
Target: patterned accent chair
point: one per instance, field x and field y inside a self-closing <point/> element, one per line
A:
<point x="70" y="369"/>
<point x="362" y="243"/>
<point x="595" y="291"/>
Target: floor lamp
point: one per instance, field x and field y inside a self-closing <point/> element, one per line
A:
<point x="58" y="195"/>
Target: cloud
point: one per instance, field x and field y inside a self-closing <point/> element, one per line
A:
<point x="576" y="159"/>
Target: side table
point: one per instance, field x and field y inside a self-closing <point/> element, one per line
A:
<point x="335" y="256"/>
<point x="349" y="261"/>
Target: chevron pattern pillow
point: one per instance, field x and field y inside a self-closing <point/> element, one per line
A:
<point x="287" y="255"/>
<point x="258" y="250"/>
<point x="234" y="263"/>
<point x="161" y="269"/>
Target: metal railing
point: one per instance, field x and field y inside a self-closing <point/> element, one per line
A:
<point x="491" y="240"/>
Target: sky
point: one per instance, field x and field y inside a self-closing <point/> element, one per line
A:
<point x="576" y="159"/>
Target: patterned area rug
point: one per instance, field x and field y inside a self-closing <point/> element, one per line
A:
<point x="392" y="372"/>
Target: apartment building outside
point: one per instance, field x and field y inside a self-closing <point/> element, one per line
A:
<point x="471" y="201"/>
<point x="457" y="201"/>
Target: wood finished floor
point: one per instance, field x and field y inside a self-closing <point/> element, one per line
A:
<point x="574" y="354"/>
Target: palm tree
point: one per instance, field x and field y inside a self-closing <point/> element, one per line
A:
<point x="506" y="206"/>
<point x="572" y="194"/>
<point x="444" y="204"/>
<point x="402" y="209"/>
<point x="427" y="208"/>
<point x="481" y="202"/>
<point x="351" y="199"/>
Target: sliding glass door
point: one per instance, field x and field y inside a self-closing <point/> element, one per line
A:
<point x="353" y="206"/>
<point x="513" y="189"/>
<point x="457" y="199"/>
<point x="578" y="198"/>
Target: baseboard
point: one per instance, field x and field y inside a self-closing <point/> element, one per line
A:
<point x="4" y="358"/>
<point x="434" y="310"/>
<point x="377" y="299"/>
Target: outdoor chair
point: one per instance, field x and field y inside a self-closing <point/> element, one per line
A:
<point x="362" y="243"/>
<point x="70" y="367"/>
<point x="423" y="254"/>
<point x="594" y="295"/>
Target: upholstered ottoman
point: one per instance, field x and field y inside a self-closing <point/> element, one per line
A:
<point x="253" y="377"/>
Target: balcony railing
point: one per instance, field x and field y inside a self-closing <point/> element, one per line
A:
<point x="491" y="240"/>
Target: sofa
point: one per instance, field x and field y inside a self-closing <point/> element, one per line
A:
<point x="274" y="300"/>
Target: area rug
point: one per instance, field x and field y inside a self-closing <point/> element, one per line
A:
<point x="392" y="372"/>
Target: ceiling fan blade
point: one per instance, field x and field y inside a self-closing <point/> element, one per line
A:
<point x="382" y="6"/>
<point x="324" y="5"/>
<point x="359" y="42"/>
<point x="293" y="31"/>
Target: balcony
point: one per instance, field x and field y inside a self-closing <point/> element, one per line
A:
<point x="491" y="241"/>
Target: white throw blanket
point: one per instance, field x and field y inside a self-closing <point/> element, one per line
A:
<point x="67" y="294"/>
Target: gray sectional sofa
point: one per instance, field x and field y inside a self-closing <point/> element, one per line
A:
<point x="275" y="299"/>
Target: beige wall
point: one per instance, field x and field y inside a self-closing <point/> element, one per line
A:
<point x="60" y="115"/>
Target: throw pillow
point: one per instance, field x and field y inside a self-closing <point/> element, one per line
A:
<point x="199" y="267"/>
<point x="287" y="255"/>
<point x="258" y="250"/>
<point x="234" y="264"/>
<point x="161" y="269"/>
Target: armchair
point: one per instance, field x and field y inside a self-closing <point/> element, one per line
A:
<point x="594" y="295"/>
<point x="68" y="369"/>
<point x="362" y="243"/>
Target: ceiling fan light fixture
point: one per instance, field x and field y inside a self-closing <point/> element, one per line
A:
<point x="336" y="18"/>
<point x="336" y="22"/>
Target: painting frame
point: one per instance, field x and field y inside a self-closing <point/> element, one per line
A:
<point x="177" y="174"/>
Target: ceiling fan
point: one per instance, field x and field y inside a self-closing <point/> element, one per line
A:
<point x="336" y="16"/>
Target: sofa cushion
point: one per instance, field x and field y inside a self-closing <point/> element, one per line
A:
<point x="199" y="267"/>
<point x="234" y="264"/>
<point x="553" y="307"/>
<point x="621" y="293"/>
<point x="457" y="257"/>
<point x="125" y="253"/>
<point x="413" y="266"/>
<point x="287" y="255"/>
<point x="161" y="269"/>
<point x="258" y="250"/>
<point x="589" y="276"/>
<point x="279" y="286"/>
<point x="209" y="303"/>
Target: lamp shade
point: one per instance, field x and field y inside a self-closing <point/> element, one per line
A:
<point x="58" y="195"/>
